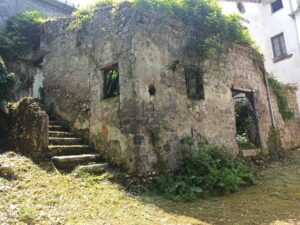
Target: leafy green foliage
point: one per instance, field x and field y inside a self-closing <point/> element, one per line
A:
<point x="282" y="99"/>
<point x="154" y="136"/>
<point x="210" y="170"/>
<point x="21" y="34"/>
<point x="210" y="26"/>
<point x="7" y="82"/>
<point x="83" y="16"/>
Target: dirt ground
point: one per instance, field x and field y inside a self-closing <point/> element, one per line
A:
<point x="41" y="195"/>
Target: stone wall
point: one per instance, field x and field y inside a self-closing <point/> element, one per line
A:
<point x="144" y="45"/>
<point x="28" y="128"/>
<point x="289" y="130"/>
<point x="53" y="8"/>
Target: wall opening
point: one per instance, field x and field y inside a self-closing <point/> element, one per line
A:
<point x="247" y="133"/>
<point x="111" y="86"/>
<point x="194" y="83"/>
<point x="152" y="90"/>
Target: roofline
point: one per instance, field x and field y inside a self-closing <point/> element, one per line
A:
<point x="60" y="5"/>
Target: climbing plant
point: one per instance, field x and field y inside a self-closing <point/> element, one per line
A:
<point x="7" y="82"/>
<point x="282" y="99"/>
<point x="21" y="34"/>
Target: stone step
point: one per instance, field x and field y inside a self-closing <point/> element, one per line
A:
<point x="61" y="134"/>
<point x="70" y="162"/>
<point x="56" y="128"/>
<point x="53" y="122"/>
<point x="60" y="150"/>
<point x="65" y="141"/>
<point x="93" y="168"/>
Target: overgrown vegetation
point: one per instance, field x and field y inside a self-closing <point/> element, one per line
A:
<point x="21" y="34"/>
<point x="84" y="15"/>
<point x="209" y="26"/>
<point x="282" y="99"/>
<point x="274" y="144"/>
<point x="210" y="170"/>
<point x="7" y="82"/>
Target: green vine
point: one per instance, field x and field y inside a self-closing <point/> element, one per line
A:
<point x="210" y="27"/>
<point x="282" y="99"/>
<point x="21" y="35"/>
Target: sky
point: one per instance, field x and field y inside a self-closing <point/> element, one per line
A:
<point x="82" y="3"/>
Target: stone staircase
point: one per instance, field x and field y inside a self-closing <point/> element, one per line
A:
<point x="69" y="151"/>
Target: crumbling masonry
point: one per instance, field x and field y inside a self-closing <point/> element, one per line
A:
<point x="120" y="84"/>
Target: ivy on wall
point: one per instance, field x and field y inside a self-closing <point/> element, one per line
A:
<point x="210" y="26"/>
<point x="281" y="97"/>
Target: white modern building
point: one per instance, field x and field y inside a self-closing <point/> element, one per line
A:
<point x="275" y="26"/>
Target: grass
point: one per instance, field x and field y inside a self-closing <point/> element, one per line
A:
<point x="41" y="195"/>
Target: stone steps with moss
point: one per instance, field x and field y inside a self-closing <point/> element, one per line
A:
<point x="70" y="162"/>
<point x="56" y="128"/>
<point x="68" y="151"/>
<point x="61" y="134"/>
<point x="65" y="141"/>
<point x="60" y="150"/>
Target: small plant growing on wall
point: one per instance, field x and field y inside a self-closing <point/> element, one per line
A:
<point x="281" y="97"/>
<point x="274" y="144"/>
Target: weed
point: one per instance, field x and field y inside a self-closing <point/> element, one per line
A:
<point x="282" y="99"/>
<point x="210" y="170"/>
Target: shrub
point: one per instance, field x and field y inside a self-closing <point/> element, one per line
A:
<point x="21" y="34"/>
<point x="210" y="170"/>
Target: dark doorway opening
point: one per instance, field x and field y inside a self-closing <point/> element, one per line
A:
<point x="247" y="133"/>
<point x="111" y="87"/>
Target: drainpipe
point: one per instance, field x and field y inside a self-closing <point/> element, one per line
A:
<point x="269" y="100"/>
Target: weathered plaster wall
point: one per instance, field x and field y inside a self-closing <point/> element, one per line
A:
<point x="9" y="8"/>
<point x="144" y="45"/>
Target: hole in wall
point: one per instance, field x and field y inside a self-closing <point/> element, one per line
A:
<point x="152" y="90"/>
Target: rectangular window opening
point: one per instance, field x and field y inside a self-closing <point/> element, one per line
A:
<point x="194" y="83"/>
<point x="276" y="5"/>
<point x="111" y="86"/>
<point x="278" y="44"/>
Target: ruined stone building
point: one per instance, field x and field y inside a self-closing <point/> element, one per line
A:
<point x="120" y="84"/>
